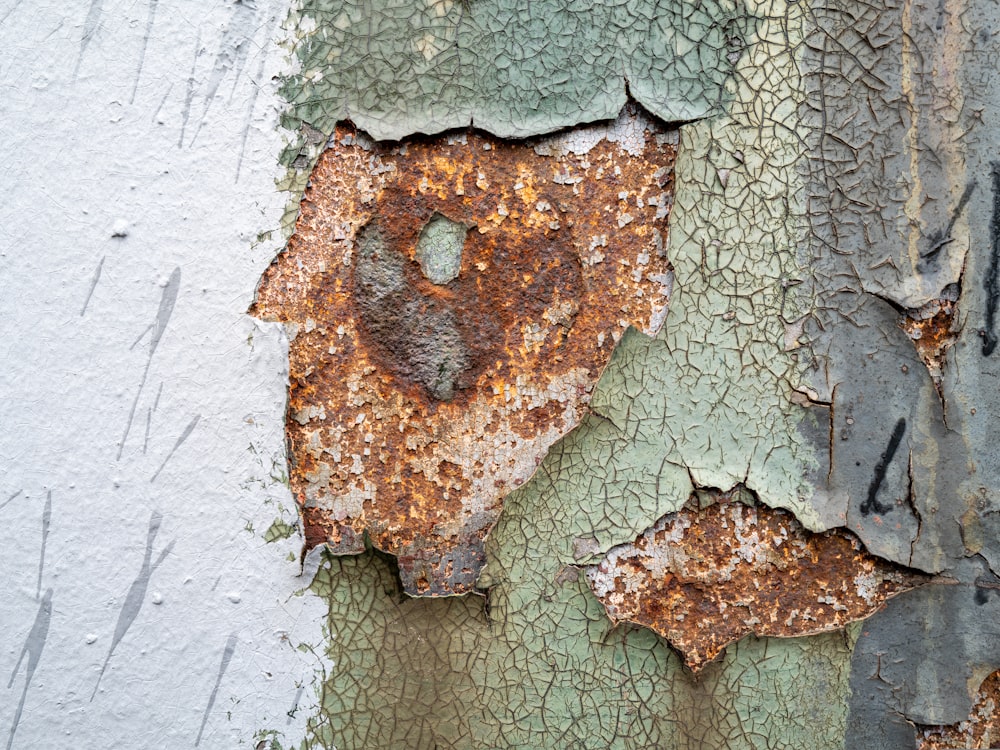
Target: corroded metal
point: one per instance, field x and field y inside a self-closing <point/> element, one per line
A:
<point x="705" y="577"/>
<point x="933" y="328"/>
<point x="451" y="302"/>
<point x="979" y="732"/>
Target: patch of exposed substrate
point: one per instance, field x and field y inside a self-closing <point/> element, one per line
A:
<point x="934" y="328"/>
<point x="708" y="575"/>
<point x="421" y="335"/>
<point x="981" y="731"/>
<point x="421" y="324"/>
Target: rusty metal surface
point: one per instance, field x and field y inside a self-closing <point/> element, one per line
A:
<point x="416" y="406"/>
<point x="705" y="577"/>
<point x="933" y="328"/>
<point x="979" y="732"/>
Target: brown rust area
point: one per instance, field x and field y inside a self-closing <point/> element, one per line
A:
<point x="705" y="577"/>
<point x="416" y="406"/>
<point x="933" y="329"/>
<point x="979" y="732"/>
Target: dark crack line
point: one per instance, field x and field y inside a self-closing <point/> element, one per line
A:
<point x="911" y="500"/>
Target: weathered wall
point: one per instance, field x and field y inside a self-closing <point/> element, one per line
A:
<point x="824" y="353"/>
<point x="801" y="449"/>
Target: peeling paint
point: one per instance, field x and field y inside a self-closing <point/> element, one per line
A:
<point x="934" y="328"/>
<point x="706" y="576"/>
<point x="514" y="67"/>
<point x="830" y="347"/>
<point x="449" y="672"/>
<point x="981" y="731"/>
<point x="451" y="304"/>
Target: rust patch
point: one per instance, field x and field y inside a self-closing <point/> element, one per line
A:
<point x="933" y="328"/>
<point x="705" y="577"/>
<point x="451" y="302"/>
<point x="979" y="732"/>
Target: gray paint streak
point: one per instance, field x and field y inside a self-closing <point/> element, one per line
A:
<point x="149" y="417"/>
<point x="189" y="96"/>
<point x="136" y="593"/>
<point x="184" y="436"/>
<point x="163" y="313"/>
<point x="33" y="646"/>
<point x="250" y="110"/>
<point x="227" y="655"/>
<point x="232" y="56"/>
<point x="10" y="499"/>
<point x="90" y="26"/>
<point x="150" y="18"/>
<point x="93" y="286"/>
<point x="46" y="520"/>
<point x="295" y="704"/>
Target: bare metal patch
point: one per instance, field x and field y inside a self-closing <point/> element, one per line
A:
<point x="451" y="302"/>
<point x="705" y="577"/>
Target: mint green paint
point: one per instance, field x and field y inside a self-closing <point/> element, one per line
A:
<point x="552" y="673"/>
<point x="513" y="67"/>
<point x="439" y="248"/>
<point x="708" y="402"/>
<point x="279" y="529"/>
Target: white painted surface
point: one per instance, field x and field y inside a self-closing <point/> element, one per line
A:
<point x="89" y="175"/>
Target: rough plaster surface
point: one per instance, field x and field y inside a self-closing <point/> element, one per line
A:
<point x="139" y="156"/>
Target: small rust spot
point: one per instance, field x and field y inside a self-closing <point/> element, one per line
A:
<point x="933" y="329"/>
<point x="451" y="302"/>
<point x="979" y="732"/>
<point x="705" y="577"/>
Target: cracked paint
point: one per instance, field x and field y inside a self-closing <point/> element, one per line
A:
<point x="449" y="672"/>
<point x="829" y="346"/>
<point x="451" y="304"/>
<point x="980" y="731"/>
<point x="708" y="575"/>
<point x="398" y="67"/>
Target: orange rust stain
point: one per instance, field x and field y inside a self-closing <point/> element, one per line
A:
<point x="562" y="252"/>
<point x="704" y="578"/>
<point x="979" y="732"/>
<point x="933" y="329"/>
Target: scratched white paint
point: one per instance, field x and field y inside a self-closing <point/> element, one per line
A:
<point x="97" y="185"/>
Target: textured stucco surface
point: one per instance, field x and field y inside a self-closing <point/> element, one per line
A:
<point x="133" y="199"/>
